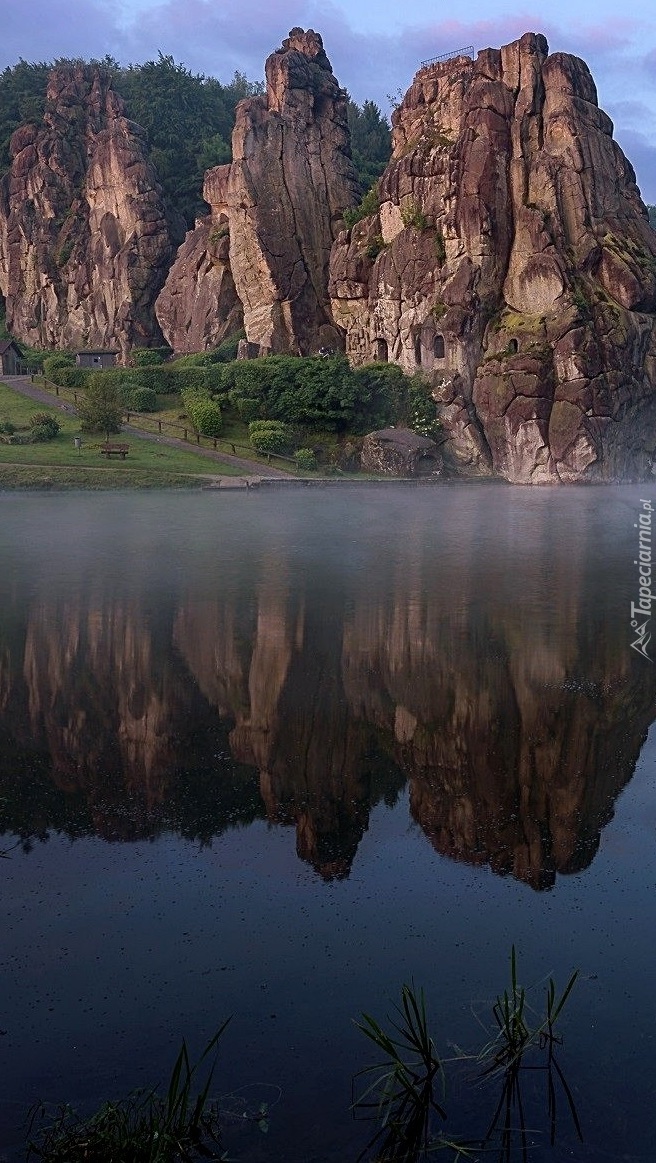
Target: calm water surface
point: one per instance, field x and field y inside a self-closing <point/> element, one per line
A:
<point x="272" y="755"/>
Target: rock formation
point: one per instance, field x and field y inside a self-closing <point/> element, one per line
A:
<point x="283" y="197"/>
<point x="399" y="452"/>
<point x="198" y="306"/>
<point x="85" y="243"/>
<point x="511" y="260"/>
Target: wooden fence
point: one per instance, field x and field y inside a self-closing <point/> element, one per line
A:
<point x="149" y="422"/>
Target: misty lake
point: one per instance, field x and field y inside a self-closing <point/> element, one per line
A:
<point x="272" y="754"/>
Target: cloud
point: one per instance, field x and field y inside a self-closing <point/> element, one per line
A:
<point x="59" y="28"/>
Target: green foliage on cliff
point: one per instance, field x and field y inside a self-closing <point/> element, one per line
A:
<point x="369" y="205"/>
<point x="22" y="100"/>
<point x="652" y="216"/>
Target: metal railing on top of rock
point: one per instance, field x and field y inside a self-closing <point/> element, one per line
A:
<point x="450" y="56"/>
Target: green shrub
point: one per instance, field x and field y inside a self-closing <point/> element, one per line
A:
<point x="369" y="205"/>
<point x="440" y="248"/>
<point x="318" y="393"/>
<point x="249" y="407"/>
<point x="204" y="413"/>
<point x="421" y="413"/>
<point x="413" y="215"/>
<point x="149" y="356"/>
<point x="227" y="351"/>
<point x="41" y="433"/>
<point x="206" y="417"/>
<point x="53" y="363"/>
<point x="7" y="427"/>
<point x="140" y="399"/>
<point x="20" y="438"/>
<point x="305" y="460"/>
<point x="71" y="377"/>
<point x="44" y="422"/>
<point x="171" y="377"/>
<point x="269" y="436"/>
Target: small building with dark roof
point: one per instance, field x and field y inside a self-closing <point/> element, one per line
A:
<point x="98" y="358"/>
<point x="12" y="359"/>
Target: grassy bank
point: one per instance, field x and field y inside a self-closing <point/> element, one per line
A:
<point x="23" y="476"/>
<point x="57" y="462"/>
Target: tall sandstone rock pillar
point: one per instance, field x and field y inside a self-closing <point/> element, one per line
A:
<point x="512" y="262"/>
<point x="281" y="200"/>
<point x="85" y="242"/>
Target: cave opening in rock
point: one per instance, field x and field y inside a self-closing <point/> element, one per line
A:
<point x="438" y="347"/>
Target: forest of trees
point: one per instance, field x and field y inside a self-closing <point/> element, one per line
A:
<point x="188" y="119"/>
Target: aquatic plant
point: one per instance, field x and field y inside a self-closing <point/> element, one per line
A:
<point x="145" y="1127"/>
<point x="401" y="1098"/>
<point x="401" y="1087"/>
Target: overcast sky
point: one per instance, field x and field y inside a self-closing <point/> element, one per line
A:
<point x="375" y="47"/>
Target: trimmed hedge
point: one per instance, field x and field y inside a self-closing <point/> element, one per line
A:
<point x="140" y="399"/>
<point x="204" y="413"/>
<point x="149" y="356"/>
<point x="269" y="436"/>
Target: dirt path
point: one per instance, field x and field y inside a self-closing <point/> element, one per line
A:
<point x="252" y="469"/>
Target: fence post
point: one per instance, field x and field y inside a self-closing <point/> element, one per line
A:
<point x="159" y="425"/>
<point x="185" y="433"/>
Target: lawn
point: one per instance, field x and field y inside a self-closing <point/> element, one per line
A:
<point x="145" y="456"/>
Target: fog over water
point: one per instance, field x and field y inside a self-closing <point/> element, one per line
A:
<point x="271" y="755"/>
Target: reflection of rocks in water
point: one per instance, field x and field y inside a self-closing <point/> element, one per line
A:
<point x="102" y="703"/>
<point x="292" y="720"/>
<point x="508" y="696"/>
<point x="516" y="728"/>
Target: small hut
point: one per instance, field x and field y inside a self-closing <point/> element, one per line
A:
<point x="12" y="359"/>
<point x="100" y="358"/>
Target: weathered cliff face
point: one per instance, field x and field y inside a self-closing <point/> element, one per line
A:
<point x="198" y="306"/>
<point x="283" y="196"/>
<point x="85" y="243"/>
<point x="511" y="260"/>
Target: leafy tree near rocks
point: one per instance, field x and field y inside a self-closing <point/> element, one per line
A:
<point x="652" y="216"/>
<point x="188" y="119"/>
<point x="371" y="141"/>
<point x="101" y="410"/>
<point x="22" y="100"/>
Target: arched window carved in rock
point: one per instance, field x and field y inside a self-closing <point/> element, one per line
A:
<point x="513" y="347"/>
<point x="438" y="347"/>
<point x="418" y="348"/>
<point x="382" y="354"/>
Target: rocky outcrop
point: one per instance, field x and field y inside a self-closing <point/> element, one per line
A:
<point x="85" y="243"/>
<point x="283" y="197"/>
<point x="399" y="452"/>
<point x="511" y="260"/>
<point x="198" y="306"/>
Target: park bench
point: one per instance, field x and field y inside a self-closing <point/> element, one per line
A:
<point x="108" y="449"/>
